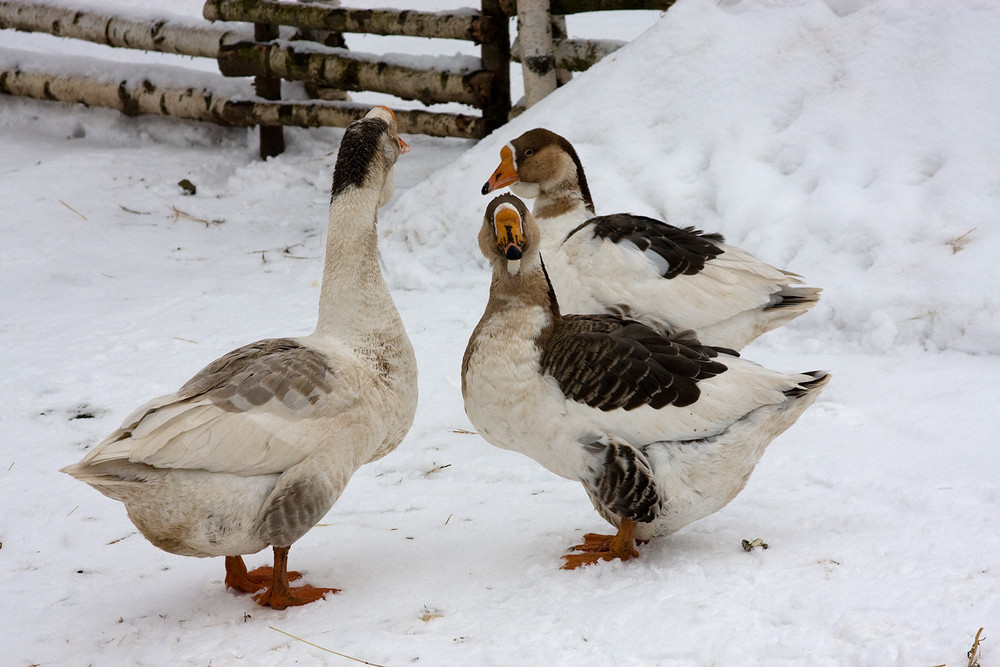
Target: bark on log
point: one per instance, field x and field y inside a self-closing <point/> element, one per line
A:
<point x="134" y="98"/>
<point x="94" y="26"/>
<point x="576" y="55"/>
<point x="496" y="60"/>
<point x="342" y="114"/>
<point x="538" y="62"/>
<point x="578" y="6"/>
<point x="340" y="68"/>
<point x="444" y="25"/>
<point x="272" y="137"/>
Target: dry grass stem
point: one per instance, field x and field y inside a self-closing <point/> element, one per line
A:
<point x="178" y="214"/>
<point x="974" y="652"/>
<point x="958" y="243"/>
<point x="322" y="648"/>
<point x="73" y="209"/>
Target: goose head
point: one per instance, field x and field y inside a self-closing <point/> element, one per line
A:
<point x="540" y="163"/>
<point x="368" y="154"/>
<point x="509" y="235"/>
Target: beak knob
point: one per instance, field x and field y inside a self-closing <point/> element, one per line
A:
<point x="512" y="252"/>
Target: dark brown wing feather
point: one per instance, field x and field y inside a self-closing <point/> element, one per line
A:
<point x="621" y="480"/>
<point x="608" y="362"/>
<point x="684" y="249"/>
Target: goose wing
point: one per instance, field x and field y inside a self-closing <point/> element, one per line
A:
<point x="608" y="362"/>
<point x="256" y="410"/>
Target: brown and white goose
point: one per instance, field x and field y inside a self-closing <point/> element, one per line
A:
<point x="255" y="448"/>
<point x="659" y="429"/>
<point x="639" y="267"/>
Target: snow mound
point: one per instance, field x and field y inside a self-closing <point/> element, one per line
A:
<point x="848" y="146"/>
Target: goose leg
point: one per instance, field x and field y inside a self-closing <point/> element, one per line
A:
<point x="249" y="582"/>
<point x="280" y="595"/>
<point x="597" y="547"/>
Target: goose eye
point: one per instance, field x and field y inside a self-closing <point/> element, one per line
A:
<point x="529" y="152"/>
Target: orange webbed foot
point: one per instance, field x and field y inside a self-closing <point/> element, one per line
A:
<point x="278" y="595"/>
<point x="255" y="580"/>
<point x="597" y="547"/>
<point x="291" y="597"/>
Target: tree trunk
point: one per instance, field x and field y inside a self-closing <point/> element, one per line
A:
<point x="343" y="69"/>
<point x="190" y="39"/>
<point x="538" y="61"/>
<point x="444" y="25"/>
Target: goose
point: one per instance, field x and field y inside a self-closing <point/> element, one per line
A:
<point x="668" y="277"/>
<point x="255" y="448"/>
<point x="660" y="429"/>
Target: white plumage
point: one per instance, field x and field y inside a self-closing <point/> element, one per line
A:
<point x="660" y="430"/>
<point x="257" y="446"/>
<point x="668" y="277"/>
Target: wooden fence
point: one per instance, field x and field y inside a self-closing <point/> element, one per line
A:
<point x="257" y="50"/>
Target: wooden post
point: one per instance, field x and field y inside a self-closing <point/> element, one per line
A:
<point x="538" y="60"/>
<point x="495" y="56"/>
<point x="272" y="137"/>
<point x="559" y="32"/>
<point x="326" y="38"/>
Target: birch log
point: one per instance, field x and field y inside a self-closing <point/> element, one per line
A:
<point x="132" y="98"/>
<point x="538" y="61"/>
<point x="135" y="97"/>
<point x="342" y="114"/>
<point x="294" y="61"/>
<point x="444" y="25"/>
<point x="575" y="55"/>
<point x="183" y="38"/>
<point x="578" y="6"/>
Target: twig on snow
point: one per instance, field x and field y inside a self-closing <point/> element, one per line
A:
<point x="322" y="648"/>
<point x="73" y="209"/>
<point x="178" y="214"/>
<point x="974" y="652"/>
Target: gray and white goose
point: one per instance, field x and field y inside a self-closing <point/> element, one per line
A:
<point x="639" y="267"/>
<point x="660" y="429"/>
<point x="255" y="448"/>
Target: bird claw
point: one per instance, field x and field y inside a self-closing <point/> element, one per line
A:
<point x="291" y="597"/>
<point x="597" y="547"/>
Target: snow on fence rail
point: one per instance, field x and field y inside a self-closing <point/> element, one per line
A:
<point x="257" y="50"/>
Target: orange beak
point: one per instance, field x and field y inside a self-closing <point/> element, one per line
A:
<point x="510" y="236"/>
<point x="403" y="146"/>
<point x="506" y="173"/>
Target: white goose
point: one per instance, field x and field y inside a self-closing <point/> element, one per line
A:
<point x="660" y="429"/>
<point x="638" y="267"/>
<point x="256" y="447"/>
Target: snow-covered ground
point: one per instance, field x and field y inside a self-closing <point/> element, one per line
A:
<point x="853" y="142"/>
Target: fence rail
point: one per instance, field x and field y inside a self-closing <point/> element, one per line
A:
<point x="464" y="24"/>
<point x="189" y="38"/>
<point x="256" y="50"/>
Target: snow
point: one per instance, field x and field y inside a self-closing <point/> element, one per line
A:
<point x="852" y="142"/>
